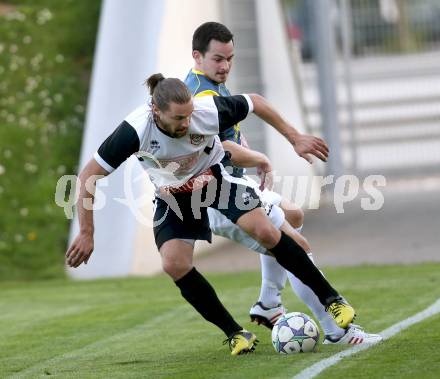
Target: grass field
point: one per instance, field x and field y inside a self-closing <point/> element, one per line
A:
<point x="142" y="328"/>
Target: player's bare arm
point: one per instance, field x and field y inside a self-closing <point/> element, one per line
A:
<point x="304" y="144"/>
<point x="245" y="157"/>
<point x="82" y="246"/>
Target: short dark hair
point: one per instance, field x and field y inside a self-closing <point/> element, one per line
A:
<point x="164" y="91"/>
<point x="209" y="31"/>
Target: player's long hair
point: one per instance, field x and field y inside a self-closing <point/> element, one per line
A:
<point x="163" y="91"/>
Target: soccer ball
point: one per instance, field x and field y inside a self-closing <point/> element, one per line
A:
<point x="295" y="333"/>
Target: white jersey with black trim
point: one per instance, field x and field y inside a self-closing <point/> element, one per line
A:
<point x="173" y="161"/>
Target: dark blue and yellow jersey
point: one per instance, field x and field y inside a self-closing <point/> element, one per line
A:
<point x="200" y="85"/>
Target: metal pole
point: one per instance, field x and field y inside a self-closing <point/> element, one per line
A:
<point x="324" y="55"/>
<point x="346" y="51"/>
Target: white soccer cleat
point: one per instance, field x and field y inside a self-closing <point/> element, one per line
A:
<point x="266" y="316"/>
<point x="354" y="335"/>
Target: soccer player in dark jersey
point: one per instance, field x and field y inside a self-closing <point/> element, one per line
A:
<point x="184" y="164"/>
<point x="213" y="52"/>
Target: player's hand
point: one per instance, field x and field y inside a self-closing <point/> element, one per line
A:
<point x="80" y="250"/>
<point x="265" y="173"/>
<point x="306" y="145"/>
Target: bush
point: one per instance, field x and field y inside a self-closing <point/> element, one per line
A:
<point x="46" y="52"/>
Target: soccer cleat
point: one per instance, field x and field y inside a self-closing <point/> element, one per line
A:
<point x="342" y="312"/>
<point x="241" y="342"/>
<point x="266" y="316"/>
<point x="354" y="335"/>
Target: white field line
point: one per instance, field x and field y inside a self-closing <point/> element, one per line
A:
<point x="320" y="366"/>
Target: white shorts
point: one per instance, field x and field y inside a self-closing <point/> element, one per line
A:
<point x="222" y="226"/>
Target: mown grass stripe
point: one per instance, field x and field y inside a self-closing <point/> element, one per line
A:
<point x="98" y="346"/>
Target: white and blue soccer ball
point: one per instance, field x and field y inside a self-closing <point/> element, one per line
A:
<point x="295" y="332"/>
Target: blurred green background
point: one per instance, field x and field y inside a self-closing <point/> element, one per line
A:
<point x="46" y="51"/>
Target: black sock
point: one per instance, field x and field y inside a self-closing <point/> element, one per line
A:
<point x="200" y="294"/>
<point x="293" y="258"/>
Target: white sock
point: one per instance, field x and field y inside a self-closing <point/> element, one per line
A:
<point x="311" y="300"/>
<point x="273" y="280"/>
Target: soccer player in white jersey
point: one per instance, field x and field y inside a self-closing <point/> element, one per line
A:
<point x="176" y="140"/>
<point x="213" y="52"/>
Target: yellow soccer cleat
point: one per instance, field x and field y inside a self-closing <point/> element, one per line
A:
<point x="342" y="312"/>
<point x="242" y="342"/>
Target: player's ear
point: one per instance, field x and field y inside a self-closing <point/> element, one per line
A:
<point x="155" y="109"/>
<point x="197" y="56"/>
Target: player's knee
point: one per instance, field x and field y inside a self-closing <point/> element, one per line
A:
<point x="176" y="269"/>
<point x="295" y="217"/>
<point x="168" y="267"/>
<point x="266" y="234"/>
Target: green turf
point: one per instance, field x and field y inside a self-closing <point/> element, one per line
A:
<point x="46" y="50"/>
<point x="410" y="354"/>
<point x="141" y="328"/>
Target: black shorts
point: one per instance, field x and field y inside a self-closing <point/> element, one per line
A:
<point x="184" y="215"/>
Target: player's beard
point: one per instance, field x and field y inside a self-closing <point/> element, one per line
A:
<point x="222" y="77"/>
<point x="179" y="134"/>
<point x="169" y="128"/>
<point x="174" y="133"/>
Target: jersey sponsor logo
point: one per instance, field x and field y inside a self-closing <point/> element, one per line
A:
<point x="180" y="165"/>
<point x="196" y="139"/>
<point x="195" y="183"/>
